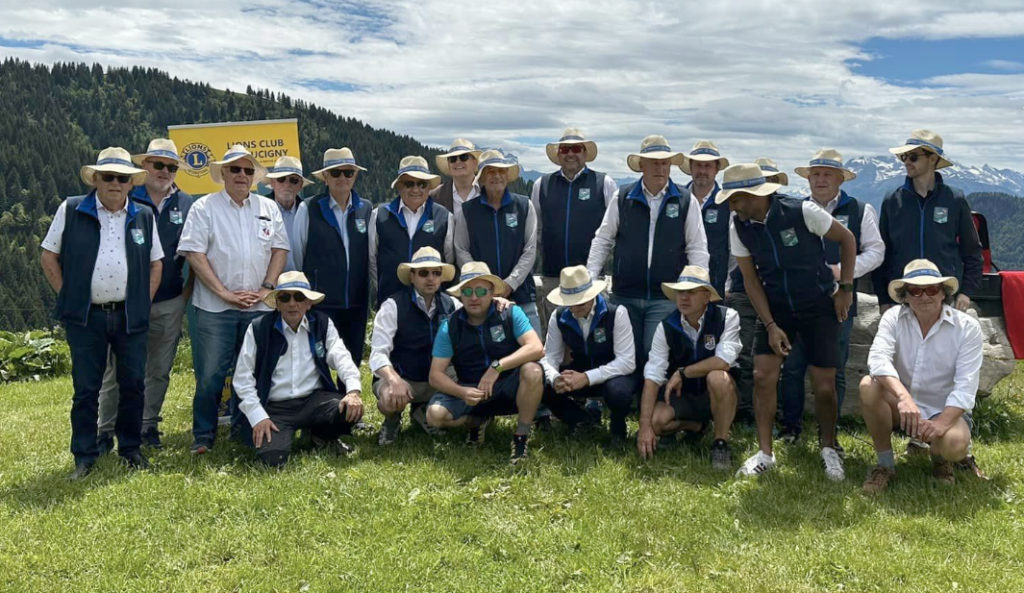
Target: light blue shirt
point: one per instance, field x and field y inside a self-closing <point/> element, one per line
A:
<point x="443" y="342"/>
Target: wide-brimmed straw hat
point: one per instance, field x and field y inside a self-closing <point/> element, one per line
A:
<point x="827" y="157"/>
<point x="571" y="136"/>
<point x="474" y="270"/>
<point x="703" y="150"/>
<point x="113" y="159"/>
<point x="288" y="165"/>
<point x="691" y="277"/>
<point x="416" y="167"/>
<point x="425" y="257"/>
<point x="163" y="148"/>
<point x="494" y="158"/>
<point x="292" y="282"/>
<point x="459" y="146"/>
<point x="745" y="178"/>
<point x="337" y="158"/>
<point x="921" y="272"/>
<point x="654" y="147"/>
<point x="927" y="140"/>
<point x="234" y="154"/>
<point x="771" y="170"/>
<point x="575" y="287"/>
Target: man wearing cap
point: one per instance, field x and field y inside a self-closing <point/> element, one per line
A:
<point x="825" y="174"/>
<point x="286" y="181"/>
<point x="170" y="206"/>
<point x="236" y="245"/>
<point x="588" y="353"/>
<point x="702" y="164"/>
<point x="927" y="218"/>
<point x="403" y="334"/>
<point x="459" y="165"/>
<point x="925" y="362"/>
<point x="283" y="375"/>
<point x="332" y="247"/>
<point x="571" y="203"/>
<point x="407" y="223"/>
<point x="693" y="350"/>
<point x="776" y="241"/>
<point x="102" y="255"/>
<point x="494" y="354"/>
<point x="655" y="230"/>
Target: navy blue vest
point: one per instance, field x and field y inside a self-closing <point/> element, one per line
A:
<point x="716" y="227"/>
<point x="682" y="351"/>
<point x="394" y="246"/>
<point x="790" y="259"/>
<point x="633" y="278"/>
<point x="570" y="213"/>
<point x="475" y="346"/>
<point x="850" y="213"/>
<point x="599" y="347"/>
<point x="169" y="223"/>
<point x="80" y="244"/>
<point x="498" y="237"/>
<point x="346" y="284"/>
<point x="410" y="354"/>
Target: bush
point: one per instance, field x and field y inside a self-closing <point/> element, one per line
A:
<point x="32" y="355"/>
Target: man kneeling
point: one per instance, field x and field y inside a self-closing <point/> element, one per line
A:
<point x="698" y="343"/>
<point x="494" y="354"/>
<point x="283" y="375"/>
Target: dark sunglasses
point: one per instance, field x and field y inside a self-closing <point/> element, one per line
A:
<point x="481" y="291"/>
<point x="348" y="173"/>
<point x="292" y="180"/>
<point x="286" y="297"/>
<point x="917" y="291"/>
<point x="109" y="178"/>
<point x="912" y="156"/>
<point x="236" y="170"/>
<point x="426" y="273"/>
<point x="573" y="148"/>
<point x="160" y="166"/>
<point x="460" y="157"/>
<point x="412" y="184"/>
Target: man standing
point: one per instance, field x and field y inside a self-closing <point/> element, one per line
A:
<point x="102" y="255"/>
<point x="459" y="164"/>
<point x="286" y="181"/>
<point x="702" y="164"/>
<point x="236" y="245"/>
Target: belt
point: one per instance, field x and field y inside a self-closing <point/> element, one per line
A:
<point x="109" y="306"/>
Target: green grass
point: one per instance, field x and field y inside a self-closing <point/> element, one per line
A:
<point x="428" y="515"/>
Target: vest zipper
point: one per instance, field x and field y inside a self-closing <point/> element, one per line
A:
<point x="785" y="276"/>
<point x="568" y="213"/>
<point x="920" y="205"/>
<point x="487" y="359"/>
<point x="497" y="244"/>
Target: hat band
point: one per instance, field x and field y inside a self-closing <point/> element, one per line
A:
<point x="578" y="289"/>
<point x="335" y="162"/>
<point x="427" y="258"/>
<point x="288" y="170"/>
<point x="413" y="168"/>
<point x="693" y="279"/>
<point x="743" y="183"/>
<point x="769" y="168"/>
<point x="826" y="163"/>
<point x="655" y="148"/>
<point x="235" y="155"/>
<point x="576" y="138"/>
<point x="295" y="284"/>
<point x="924" y="272"/>
<point x="460" y="149"/>
<point x="112" y="161"/>
<point x="919" y="142"/>
<point x="469" y="276"/>
<point x="163" y="154"/>
<point x="710" y="151"/>
<point x="490" y="162"/>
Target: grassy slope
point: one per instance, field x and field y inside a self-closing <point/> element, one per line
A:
<point x="433" y="516"/>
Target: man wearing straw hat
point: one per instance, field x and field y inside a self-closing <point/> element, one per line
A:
<point x="332" y="247"/>
<point x="571" y="203"/>
<point x="776" y="241"/>
<point x="494" y="354"/>
<point x="102" y="255"/>
<point x="693" y="349"/>
<point x="459" y="164"/>
<point x="702" y="164"/>
<point x="236" y="246"/>
<point x="927" y="218"/>
<point x="287" y="181"/>
<point x="588" y="353"/>
<point x="925" y="362"/>
<point x="170" y="206"/>
<point x="409" y="222"/>
<point x="403" y="334"/>
<point x="283" y="376"/>
<point x="825" y="174"/>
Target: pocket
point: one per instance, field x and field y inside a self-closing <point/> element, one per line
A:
<point x="265" y="230"/>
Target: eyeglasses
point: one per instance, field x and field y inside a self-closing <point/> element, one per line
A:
<point x="412" y="184"/>
<point x="160" y="166"/>
<point x="913" y="156"/>
<point x="292" y="180"/>
<point x="460" y="157"/>
<point x="426" y="273"/>
<point x="336" y="173"/>
<point x="286" y="297"/>
<point x="573" y="148"/>
<point x="109" y="178"/>
<point x="236" y="170"/>
<point x="917" y="291"/>
<point x="480" y="291"/>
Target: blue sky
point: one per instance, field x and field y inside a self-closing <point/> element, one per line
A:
<point x="911" y="62"/>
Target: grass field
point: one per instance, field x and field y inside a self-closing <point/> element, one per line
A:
<point x="428" y="515"/>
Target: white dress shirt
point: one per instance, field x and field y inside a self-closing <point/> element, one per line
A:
<point x="871" y="244"/>
<point x="237" y="241"/>
<point x="622" y="342"/>
<point x="523" y="268"/>
<point x="728" y="346"/>
<point x="412" y="223"/>
<point x="300" y="236"/>
<point x="385" y="326"/>
<point x="295" y="375"/>
<point x="940" y="369"/>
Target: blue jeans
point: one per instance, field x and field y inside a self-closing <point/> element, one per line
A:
<point x="791" y="384"/>
<point x="644" y="317"/>
<point x="89" y="344"/>
<point x="216" y="340"/>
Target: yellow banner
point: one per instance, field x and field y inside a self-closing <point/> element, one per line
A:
<point x="201" y="144"/>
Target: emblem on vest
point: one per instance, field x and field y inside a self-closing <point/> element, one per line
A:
<point x="361" y="225"/>
<point x="941" y="215"/>
<point x="176" y="217"/>
<point x="138" y="237"/>
<point x="585" y="193"/>
<point x="844" y="219"/>
<point x="710" y="342"/>
<point x="319" y="349"/>
<point x="599" y="335"/>
<point x="672" y="210"/>
<point x="711" y="216"/>
<point x="511" y="219"/>
<point x="497" y="333"/>
<point x="428" y="227"/>
<point x="789" y="238"/>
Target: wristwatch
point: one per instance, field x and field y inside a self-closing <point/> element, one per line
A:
<point x="847" y="286"/>
<point x="496" y="365"/>
<point x="267" y="285"/>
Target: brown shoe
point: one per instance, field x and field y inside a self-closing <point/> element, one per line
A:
<point x="943" y="472"/>
<point x="970" y="464"/>
<point x="878" y="480"/>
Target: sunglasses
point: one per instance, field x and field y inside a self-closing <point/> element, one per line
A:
<point x="426" y="273"/>
<point x="480" y="291"/>
<point x="286" y="297"/>
<point x="917" y="291"/>
<point x="412" y="184"/>
<point x="109" y="178"/>
<point x="160" y="166"/>
<point x="292" y="180"/>
<point x="460" y="157"/>
<point x="912" y="156"/>
<point x="236" y="170"/>
<point x="348" y="173"/>
<point x="573" y="148"/>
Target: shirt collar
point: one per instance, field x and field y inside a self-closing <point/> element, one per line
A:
<point x="589" y="317"/>
<point x="574" y="177"/>
<point x="402" y="206"/>
<point x="303" y="325"/>
<point x="101" y="207"/>
<point x="231" y="202"/>
<point x="649" y="195"/>
<point x="948" y="314"/>
<point x="686" y="324"/>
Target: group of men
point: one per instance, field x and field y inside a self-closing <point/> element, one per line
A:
<point x="715" y="291"/>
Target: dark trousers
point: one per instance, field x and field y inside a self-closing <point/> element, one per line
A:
<point x="791" y="384"/>
<point x="89" y="344"/>
<point x="618" y="394"/>
<point x="351" y="326"/>
<point x="318" y="412"/>
<point x="744" y="372"/>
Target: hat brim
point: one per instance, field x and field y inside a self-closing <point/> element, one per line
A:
<point x="556" y="297"/>
<point x="441" y="160"/>
<point x="804" y="172"/>
<point x="552" y="149"/>
<point x="511" y="177"/>
<point x="431" y="179"/>
<point x="218" y="176"/>
<point x="633" y="159"/>
<point x="319" y="173"/>
<point x="765" y="189"/>
<point x="405" y="271"/>
<point x="896" y="285"/>
<point x="943" y="161"/>
<point x="669" y="289"/>
<point x="685" y="166"/>
<point x="500" y="288"/>
<point x="87" y="172"/>
<point x="270" y="299"/>
<point x="305" y="182"/>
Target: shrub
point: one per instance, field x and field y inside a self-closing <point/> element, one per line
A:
<point x="32" y="355"/>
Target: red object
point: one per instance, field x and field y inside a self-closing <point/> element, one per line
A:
<point x="1013" y="310"/>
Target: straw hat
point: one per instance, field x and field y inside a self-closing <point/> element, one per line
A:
<point x="654" y="147"/>
<point x="337" y="158"/>
<point x="416" y="167"/>
<point x="459" y="146"/>
<point x="116" y="160"/>
<point x="292" y="282"/>
<point x="771" y="170"/>
<point x="158" y="147"/>
<point x="494" y="158"/>
<point x="745" y="178"/>
<point x="234" y="154"/>
<point x="575" y="287"/>
<point x="571" y="136"/>
<point x="703" y="150"/>
<point x="425" y="257"/>
<point x="473" y="270"/>
<point x="691" y="277"/>
<point x="921" y="272"/>
<point x="927" y="140"/>
<point x="827" y="157"/>
<point x="288" y="165"/>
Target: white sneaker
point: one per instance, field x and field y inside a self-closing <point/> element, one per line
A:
<point x="756" y="465"/>
<point x="833" y="464"/>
